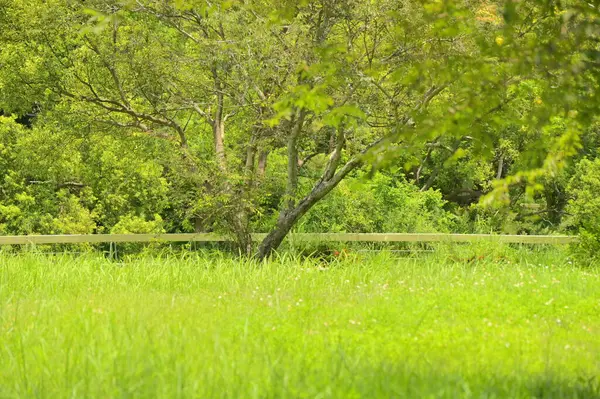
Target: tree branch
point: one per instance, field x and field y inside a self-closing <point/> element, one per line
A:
<point x="292" y="149"/>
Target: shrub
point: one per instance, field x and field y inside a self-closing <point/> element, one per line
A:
<point x="584" y="208"/>
<point x="383" y="204"/>
<point x="130" y="224"/>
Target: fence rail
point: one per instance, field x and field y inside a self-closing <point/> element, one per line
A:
<point x="298" y="237"/>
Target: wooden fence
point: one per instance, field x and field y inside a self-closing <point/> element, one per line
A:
<point x="295" y="238"/>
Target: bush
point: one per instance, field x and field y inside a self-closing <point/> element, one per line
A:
<point x="383" y="204"/>
<point x="130" y="224"/>
<point x="584" y="208"/>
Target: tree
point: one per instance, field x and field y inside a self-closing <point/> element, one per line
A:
<point x="451" y="78"/>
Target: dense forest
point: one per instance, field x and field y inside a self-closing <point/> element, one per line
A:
<point x="241" y="116"/>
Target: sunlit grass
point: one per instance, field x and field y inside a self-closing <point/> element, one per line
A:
<point x="442" y="325"/>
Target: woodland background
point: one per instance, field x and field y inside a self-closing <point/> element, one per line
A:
<point x="313" y="116"/>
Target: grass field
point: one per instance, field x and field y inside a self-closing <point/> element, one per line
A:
<point x="511" y="325"/>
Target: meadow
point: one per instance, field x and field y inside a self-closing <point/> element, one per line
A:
<point x="510" y="323"/>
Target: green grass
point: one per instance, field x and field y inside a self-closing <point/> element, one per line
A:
<point x="443" y="325"/>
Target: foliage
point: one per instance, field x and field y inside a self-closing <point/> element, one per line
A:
<point x="381" y="204"/>
<point x="584" y="208"/>
<point x="129" y="224"/>
<point x="53" y="183"/>
<point x="185" y="109"/>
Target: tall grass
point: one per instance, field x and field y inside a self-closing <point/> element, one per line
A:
<point x="462" y="322"/>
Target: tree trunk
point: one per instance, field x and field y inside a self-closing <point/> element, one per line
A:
<point x="218" y="123"/>
<point x="238" y="217"/>
<point x="250" y="155"/>
<point x="242" y="232"/>
<point x="500" y="169"/>
<point x="262" y="163"/>
<point x="287" y="219"/>
<point x="423" y="163"/>
<point x="219" y="137"/>
<point x="292" y="169"/>
<point x="274" y="239"/>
